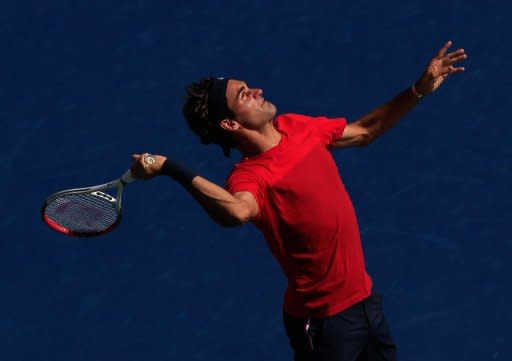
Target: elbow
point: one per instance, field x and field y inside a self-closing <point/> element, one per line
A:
<point x="242" y="217"/>
<point x="235" y="219"/>
<point x="365" y="138"/>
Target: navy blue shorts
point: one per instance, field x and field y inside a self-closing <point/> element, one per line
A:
<point x="355" y="334"/>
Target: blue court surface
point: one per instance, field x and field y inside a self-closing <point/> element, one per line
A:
<point x="84" y="84"/>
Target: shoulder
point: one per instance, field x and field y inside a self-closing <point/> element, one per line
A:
<point x="290" y="118"/>
<point x="245" y="171"/>
<point x="311" y="124"/>
<point x="247" y="183"/>
<point x="291" y="122"/>
<point x="327" y="129"/>
<point x="293" y="118"/>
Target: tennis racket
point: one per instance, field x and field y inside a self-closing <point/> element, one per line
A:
<point x="89" y="211"/>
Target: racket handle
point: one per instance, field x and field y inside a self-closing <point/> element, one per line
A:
<point x="127" y="177"/>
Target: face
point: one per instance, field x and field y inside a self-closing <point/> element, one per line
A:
<point x="251" y="110"/>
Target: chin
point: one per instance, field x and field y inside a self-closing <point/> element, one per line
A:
<point x="273" y="111"/>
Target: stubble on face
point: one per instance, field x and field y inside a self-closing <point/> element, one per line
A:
<point x="248" y="104"/>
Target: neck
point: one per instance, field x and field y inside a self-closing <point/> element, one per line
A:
<point x="254" y="142"/>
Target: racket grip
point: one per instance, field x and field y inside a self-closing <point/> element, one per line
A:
<point x="127" y="177"/>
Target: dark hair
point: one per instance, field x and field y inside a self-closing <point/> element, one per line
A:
<point x="195" y="111"/>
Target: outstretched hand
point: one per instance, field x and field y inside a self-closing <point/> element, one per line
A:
<point x="439" y="68"/>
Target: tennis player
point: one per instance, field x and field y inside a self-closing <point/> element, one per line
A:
<point x="288" y="185"/>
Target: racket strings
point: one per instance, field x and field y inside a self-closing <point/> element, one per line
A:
<point x="82" y="213"/>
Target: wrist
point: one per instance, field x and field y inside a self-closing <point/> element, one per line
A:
<point x="418" y="94"/>
<point x="178" y="172"/>
<point x="160" y="164"/>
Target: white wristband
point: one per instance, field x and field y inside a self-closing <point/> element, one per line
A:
<point x="416" y="93"/>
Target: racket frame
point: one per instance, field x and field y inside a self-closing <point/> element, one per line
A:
<point x="119" y="183"/>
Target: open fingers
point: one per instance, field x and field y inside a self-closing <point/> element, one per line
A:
<point x="443" y="50"/>
<point x="455" y="53"/>
<point x="452" y="70"/>
<point x="455" y="59"/>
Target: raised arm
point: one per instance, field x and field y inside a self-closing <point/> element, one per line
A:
<point x="372" y="125"/>
<point x="224" y="208"/>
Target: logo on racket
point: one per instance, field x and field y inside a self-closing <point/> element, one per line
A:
<point x="105" y="196"/>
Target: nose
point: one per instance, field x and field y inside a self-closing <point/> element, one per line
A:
<point x="257" y="92"/>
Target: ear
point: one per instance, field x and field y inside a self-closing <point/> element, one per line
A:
<point x="229" y="124"/>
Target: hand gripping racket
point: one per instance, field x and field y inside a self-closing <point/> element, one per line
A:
<point x="89" y="211"/>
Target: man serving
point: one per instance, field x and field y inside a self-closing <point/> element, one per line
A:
<point x="287" y="183"/>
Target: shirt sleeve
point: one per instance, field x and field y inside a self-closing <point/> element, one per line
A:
<point x="241" y="180"/>
<point x="329" y="129"/>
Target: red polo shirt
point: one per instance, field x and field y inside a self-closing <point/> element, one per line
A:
<point x="307" y="216"/>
